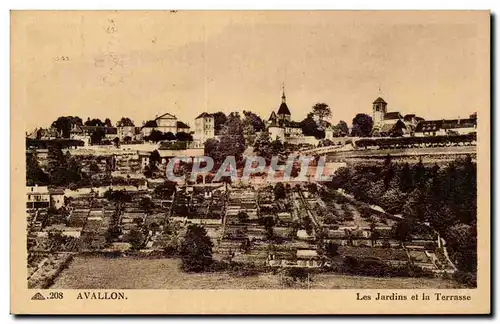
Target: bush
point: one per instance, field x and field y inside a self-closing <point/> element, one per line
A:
<point x="466" y="278"/>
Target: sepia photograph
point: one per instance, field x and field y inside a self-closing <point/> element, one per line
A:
<point x="266" y="152"/>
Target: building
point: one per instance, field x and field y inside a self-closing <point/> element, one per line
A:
<point x="56" y="197"/>
<point x="127" y="131"/>
<point x="38" y="197"/>
<point x="164" y="123"/>
<point x="392" y="123"/>
<point x="280" y="125"/>
<point x="83" y="133"/>
<point x="44" y="133"/>
<point x="446" y="127"/>
<point x="204" y="126"/>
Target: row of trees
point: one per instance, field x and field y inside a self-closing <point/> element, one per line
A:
<point x="444" y="197"/>
<point x="62" y="169"/>
<point x="64" y="124"/>
<point x="406" y="142"/>
<point x="158" y="136"/>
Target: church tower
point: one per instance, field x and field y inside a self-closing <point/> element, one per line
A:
<point x="283" y="112"/>
<point x="379" y="110"/>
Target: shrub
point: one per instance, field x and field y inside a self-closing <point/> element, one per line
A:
<point x="466" y="278"/>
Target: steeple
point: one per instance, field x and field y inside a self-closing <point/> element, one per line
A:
<point x="283" y="111"/>
<point x="283" y="97"/>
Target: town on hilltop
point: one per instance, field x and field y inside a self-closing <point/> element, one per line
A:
<point x="401" y="204"/>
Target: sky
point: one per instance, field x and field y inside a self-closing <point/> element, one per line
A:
<point x="114" y="64"/>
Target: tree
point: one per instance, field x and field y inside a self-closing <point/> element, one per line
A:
<point x="310" y="127"/>
<point x="262" y="145"/>
<point x="116" y="141"/>
<point x="34" y="173"/>
<point x="403" y="229"/>
<point x="196" y="249"/>
<point x="321" y="110"/>
<point x="155" y="136"/>
<point x="242" y="217"/>
<point x="392" y="200"/>
<point x="362" y="125"/>
<point x="415" y="206"/>
<point x="97" y="136"/>
<point x="341" y="129"/>
<point x="65" y="124"/>
<point x="154" y="158"/>
<point x="308" y="225"/>
<point x="107" y="122"/>
<point x="254" y="121"/>
<point x="405" y="178"/>
<point x="461" y="241"/>
<point x="146" y="204"/>
<point x="94" y="168"/>
<point x="125" y="122"/>
<point x="331" y="249"/>
<point x="135" y="238"/>
<point x="94" y="122"/>
<point x="219" y="120"/>
<point x="169" y="136"/>
<point x="211" y="148"/>
<point x="150" y="123"/>
<point x="269" y="223"/>
<point x="165" y="190"/>
<point x="279" y="191"/>
<point x="232" y="141"/>
<point x="276" y="147"/>
<point x="183" y="137"/>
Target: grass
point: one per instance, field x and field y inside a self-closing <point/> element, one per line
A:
<point x="128" y="273"/>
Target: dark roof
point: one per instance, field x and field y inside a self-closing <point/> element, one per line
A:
<point x="392" y="115"/>
<point x="182" y="125"/>
<point x="273" y="116"/>
<point x="204" y="115"/>
<point x="283" y="110"/>
<point x="391" y="127"/>
<point x="434" y="125"/>
<point x="379" y="99"/>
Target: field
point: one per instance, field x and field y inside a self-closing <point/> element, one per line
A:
<point x="128" y="273"/>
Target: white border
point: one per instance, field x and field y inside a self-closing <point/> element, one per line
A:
<point x="179" y="5"/>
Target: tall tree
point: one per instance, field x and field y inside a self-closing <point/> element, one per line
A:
<point x="219" y="120"/>
<point x="262" y="145"/>
<point x="196" y="249"/>
<point x="97" y="136"/>
<point x="341" y="129"/>
<point x="125" y="121"/>
<point x="232" y="141"/>
<point x="254" y="121"/>
<point x="65" y="124"/>
<point x="34" y="173"/>
<point x="321" y="110"/>
<point x="184" y="137"/>
<point x="362" y="125"/>
<point x="211" y="148"/>
<point x="310" y="127"/>
<point x="94" y="122"/>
